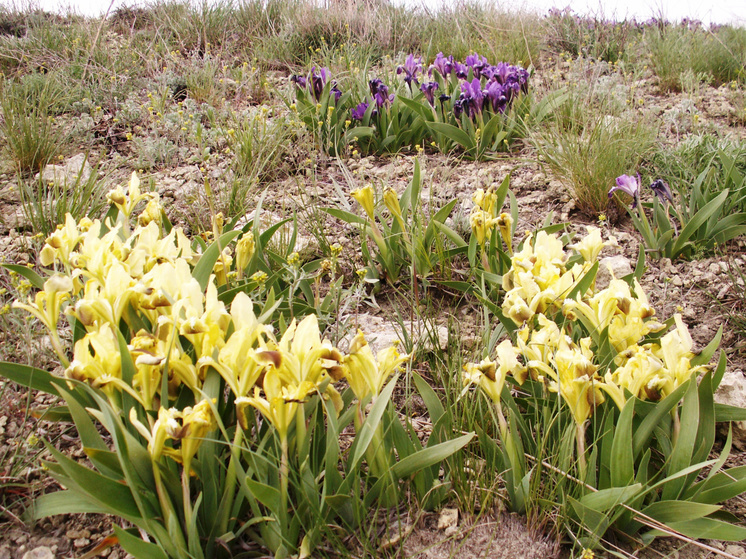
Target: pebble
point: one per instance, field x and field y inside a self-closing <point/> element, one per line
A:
<point x="42" y="552"/>
<point x="677" y="281"/>
<point x="74" y="534"/>
<point x="667" y="267"/>
<point x="736" y="550"/>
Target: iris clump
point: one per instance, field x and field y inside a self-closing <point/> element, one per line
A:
<point x="480" y="82"/>
<point x="681" y="230"/>
<point x="201" y="397"/>
<point x="475" y="97"/>
<point x="594" y="369"/>
<point x="315" y="83"/>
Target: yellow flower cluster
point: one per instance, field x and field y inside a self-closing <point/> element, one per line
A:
<point x="180" y="330"/>
<point x="484" y="218"/>
<point x="537" y="285"/>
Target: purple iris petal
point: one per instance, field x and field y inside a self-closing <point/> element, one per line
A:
<point x="318" y="81"/>
<point x="299" y="81"/>
<point x="472" y="97"/>
<point x="477" y="63"/>
<point x="458" y="108"/>
<point x="428" y="88"/>
<point x="462" y="70"/>
<point x="501" y="72"/>
<point x="628" y="185"/>
<point x="443" y="64"/>
<point x="662" y="191"/>
<point x="410" y="69"/>
<point x="496" y="95"/>
<point x="358" y="113"/>
<point x="380" y="92"/>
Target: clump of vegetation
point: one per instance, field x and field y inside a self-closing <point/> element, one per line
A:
<point x="588" y="149"/>
<point x="31" y="137"/>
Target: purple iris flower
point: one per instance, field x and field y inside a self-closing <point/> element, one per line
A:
<point x="523" y="76"/>
<point x="462" y="70"/>
<point x="662" y="191"/>
<point x="336" y="92"/>
<point x="318" y="81"/>
<point x="458" y="108"/>
<point x="443" y="64"/>
<point x="501" y="72"/>
<point x="380" y="92"/>
<point x="299" y="81"/>
<point x="410" y="68"/>
<point x="376" y="86"/>
<point x="472" y="97"/>
<point x="477" y="63"/>
<point x="511" y="90"/>
<point x="428" y="88"/>
<point x="628" y="185"/>
<point x="358" y="113"/>
<point x="496" y="95"/>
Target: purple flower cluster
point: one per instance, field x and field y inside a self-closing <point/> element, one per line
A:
<point x="631" y="186"/>
<point x="380" y="95"/>
<point x="316" y="82"/>
<point x="502" y="83"/>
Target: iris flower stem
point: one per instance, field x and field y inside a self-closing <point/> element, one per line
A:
<point x="230" y="479"/>
<point x="380" y="465"/>
<point x="187" y="496"/>
<point x="501" y="419"/>
<point x="284" y="481"/>
<point x="57" y="345"/>
<point x="580" y="441"/>
<point x="485" y="260"/>
<point x="676" y="426"/>
<point x="378" y="460"/>
<point x="300" y="428"/>
<point x="167" y="508"/>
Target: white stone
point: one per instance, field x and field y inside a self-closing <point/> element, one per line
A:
<point x="732" y="391"/>
<point x="42" y="552"/>
<point x="76" y="168"/>
<point x="617" y="266"/>
<point x="448" y="521"/>
<point x="12" y="217"/>
<point x="736" y="550"/>
<point x="380" y="333"/>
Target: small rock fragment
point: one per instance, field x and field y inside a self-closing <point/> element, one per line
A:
<point x="736" y="550"/>
<point x="448" y="521"/>
<point x="42" y="552"/>
<point x="617" y="266"/>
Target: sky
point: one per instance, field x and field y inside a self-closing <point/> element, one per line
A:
<point x="716" y="11"/>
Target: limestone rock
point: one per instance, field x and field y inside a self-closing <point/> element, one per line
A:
<point x="617" y="265"/>
<point x="380" y="333"/>
<point x="448" y="521"/>
<point x="42" y="552"/>
<point x="732" y="391"/>
<point x="76" y="168"/>
<point x="11" y="217"/>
